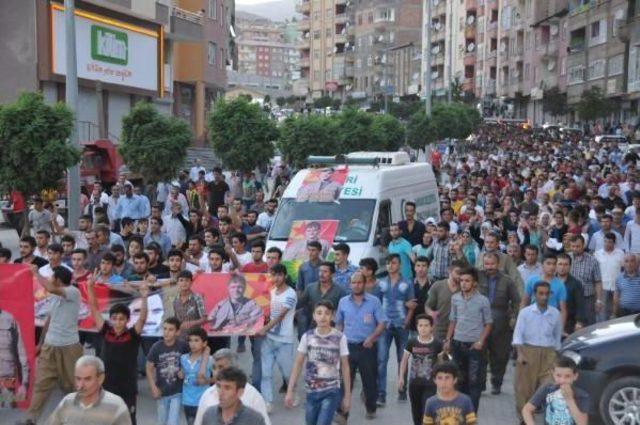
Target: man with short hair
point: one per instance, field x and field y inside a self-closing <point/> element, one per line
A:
<point x="575" y="297"/>
<point x="106" y="274"/>
<point x="26" y="248"/>
<point x="610" y="258"/>
<point x="257" y="264"/>
<point x="586" y="269"/>
<point x="130" y="205"/>
<point x="251" y="229"/>
<point x="505" y="265"/>
<point x="43" y="238"/>
<point x="59" y="345"/>
<point x="91" y="404"/>
<point x="39" y="217"/>
<point x="597" y="241"/>
<point x="78" y="260"/>
<point x="531" y="265"/>
<point x="439" y="299"/>
<point x="440" y="255"/>
<point x="412" y="230"/>
<point x="324" y="289"/>
<point x="344" y="269"/>
<point x="627" y="296"/>
<point x="54" y="252"/>
<point x="265" y="219"/>
<point x="218" y="189"/>
<point x="231" y="383"/>
<point x="95" y="251"/>
<point x="157" y="235"/>
<point x="121" y="266"/>
<point x="402" y="248"/>
<point x="223" y="359"/>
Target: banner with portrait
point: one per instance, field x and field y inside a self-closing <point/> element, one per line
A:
<point x="234" y="303"/>
<point x="302" y="232"/>
<point x="322" y="185"/>
<point x="17" y="336"/>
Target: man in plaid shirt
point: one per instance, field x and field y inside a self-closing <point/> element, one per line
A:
<point x="586" y="269"/>
<point x="443" y="251"/>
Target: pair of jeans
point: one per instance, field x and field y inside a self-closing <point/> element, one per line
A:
<point x="280" y="353"/>
<point x="190" y="414"/>
<point x="168" y="408"/>
<point x="419" y="392"/>
<point x="365" y="361"/>
<point x="398" y="335"/>
<point x="321" y="406"/>
<point x="256" y="368"/>
<point x="473" y="370"/>
<point x="607" y="307"/>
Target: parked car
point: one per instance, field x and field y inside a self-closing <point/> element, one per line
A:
<point x="608" y="359"/>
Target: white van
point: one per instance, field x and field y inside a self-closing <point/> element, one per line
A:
<point x="373" y="195"/>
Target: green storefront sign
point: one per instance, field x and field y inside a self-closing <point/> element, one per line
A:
<point x="109" y="45"/>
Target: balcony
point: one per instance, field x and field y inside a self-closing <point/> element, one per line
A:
<point x="470" y="31"/>
<point x="304" y="44"/>
<point x="185" y="25"/>
<point x="437" y="59"/>
<point x="305" y="62"/>
<point x="349" y="71"/>
<point x="341" y="18"/>
<point x="550" y="50"/>
<point x="490" y="88"/>
<point x="468" y="84"/>
<point x="469" y="58"/>
<point x="517" y="53"/>
<point x="340" y="38"/>
<point x="340" y="2"/>
<point x="471" y="4"/>
<point x="304" y="24"/>
<point x="303" y="7"/>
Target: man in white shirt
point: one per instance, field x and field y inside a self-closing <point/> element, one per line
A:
<point x="611" y="260"/>
<point x="531" y="265"/>
<point x="54" y="253"/>
<point x="596" y="243"/>
<point x="265" y="219"/>
<point x="195" y="170"/>
<point x="222" y="359"/>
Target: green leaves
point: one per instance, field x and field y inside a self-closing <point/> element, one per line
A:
<point x="241" y="134"/>
<point x="308" y="135"/>
<point x="454" y="120"/>
<point x="34" y="144"/>
<point x="154" y="145"/>
<point x="594" y="104"/>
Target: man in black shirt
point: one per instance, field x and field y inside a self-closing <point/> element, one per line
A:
<point x="156" y="268"/>
<point x="412" y="230"/>
<point x="218" y="188"/>
<point x="575" y="298"/>
<point x="27" y="247"/>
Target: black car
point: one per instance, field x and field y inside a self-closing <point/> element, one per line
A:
<point x="608" y="358"/>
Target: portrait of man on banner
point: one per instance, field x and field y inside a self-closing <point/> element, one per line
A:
<point x="236" y="314"/>
<point x="322" y="185"/>
<point x="305" y="231"/>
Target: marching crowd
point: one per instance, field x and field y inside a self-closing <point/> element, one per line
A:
<point x="538" y="237"/>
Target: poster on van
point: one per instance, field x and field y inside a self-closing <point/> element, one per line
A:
<point x="305" y="231"/>
<point x="322" y="185"/>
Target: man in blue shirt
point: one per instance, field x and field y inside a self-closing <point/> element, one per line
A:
<point x="536" y="337"/>
<point x="307" y="273"/>
<point x="344" y="269"/>
<point x="398" y="304"/>
<point x="361" y="319"/>
<point x="130" y="205"/>
<point x="558" y="294"/>
<point x="402" y="248"/>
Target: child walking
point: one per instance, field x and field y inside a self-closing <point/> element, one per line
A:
<point x="448" y="406"/>
<point x="191" y="364"/>
<point x="326" y="352"/>
<point x="422" y="354"/>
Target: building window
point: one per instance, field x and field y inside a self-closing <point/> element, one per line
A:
<point x="221" y="62"/>
<point x="316" y="35"/>
<point x="596" y="69"/>
<point x="370" y="17"/>
<point x="213" y="9"/>
<point x="576" y="74"/>
<point x="329" y="13"/>
<point x="598" y="32"/>
<point x="211" y="54"/>
<point x="316" y="54"/>
<point x="328" y="32"/>
<point x="327" y="74"/>
<point x="316" y="75"/>
<point x="386" y="14"/>
<point x="616" y="65"/>
<point x="563" y="66"/>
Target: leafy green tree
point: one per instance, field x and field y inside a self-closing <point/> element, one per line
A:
<point x="554" y="102"/>
<point x="323" y="102"/>
<point x="354" y="130"/>
<point x="306" y="135"/>
<point x="34" y="148"/>
<point x="457" y="92"/>
<point x="594" y="105"/>
<point x="242" y="135"/>
<point x="420" y="130"/>
<point x="267" y="99"/>
<point x="281" y="101"/>
<point x="153" y="145"/>
<point x="387" y="133"/>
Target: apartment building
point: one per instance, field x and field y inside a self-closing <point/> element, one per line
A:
<point x="326" y="46"/>
<point x="629" y="32"/>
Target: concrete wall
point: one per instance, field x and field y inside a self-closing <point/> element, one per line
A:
<point x="18" y="71"/>
<point x="119" y="106"/>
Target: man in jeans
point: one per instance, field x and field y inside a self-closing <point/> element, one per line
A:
<point x="361" y="319"/>
<point x="277" y="346"/>
<point x="469" y="327"/>
<point x="398" y="304"/>
<point x="61" y="347"/>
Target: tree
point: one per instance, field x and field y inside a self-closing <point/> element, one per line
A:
<point x="267" y="99"/>
<point x="457" y="91"/>
<point x="554" y="102"/>
<point x="387" y="133"/>
<point x="420" y="131"/>
<point x="323" y="102"/>
<point x="241" y="134"/>
<point x="354" y="130"/>
<point x="153" y="145"/>
<point x="594" y="105"/>
<point x="281" y="101"/>
<point x="306" y="135"/>
<point x="35" y="152"/>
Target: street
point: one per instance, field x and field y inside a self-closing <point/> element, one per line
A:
<point x="497" y="410"/>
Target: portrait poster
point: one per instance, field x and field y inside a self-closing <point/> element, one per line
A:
<point x="249" y="291"/>
<point x="302" y="232"/>
<point x="17" y="336"/>
<point x="322" y="185"/>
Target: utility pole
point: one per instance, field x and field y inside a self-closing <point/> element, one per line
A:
<point x="426" y="48"/>
<point x="385" y="64"/>
<point x="71" y="98"/>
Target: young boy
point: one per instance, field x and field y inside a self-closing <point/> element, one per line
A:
<point x="422" y="351"/>
<point x="448" y="406"/>
<point x="163" y="365"/>
<point x="120" y="346"/>
<point x="562" y="402"/>
<point x="326" y="351"/>
<point x="188" y="306"/>
<point x="190" y="367"/>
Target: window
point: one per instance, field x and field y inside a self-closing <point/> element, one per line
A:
<point x="616" y="65"/>
<point x="370" y="17"/>
<point x="212" y="9"/>
<point x="316" y="54"/>
<point x="392" y="37"/>
<point x="328" y="32"/>
<point x="329" y="12"/>
<point x="222" y="60"/>
<point x="527" y="71"/>
<point x="576" y="74"/>
<point x="386" y="14"/>
<point x="316" y="35"/>
<point x="598" y="32"/>
<point x="596" y="69"/>
<point x="327" y="74"/>
<point x="370" y="61"/>
<point x="563" y="66"/>
<point x="595" y="29"/>
<point x="359" y="63"/>
<point x="211" y="54"/>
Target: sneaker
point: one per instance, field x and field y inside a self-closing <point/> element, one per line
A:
<point x="381" y="402"/>
<point x="495" y="390"/>
<point x="370" y="415"/>
<point x="402" y="397"/>
<point x="269" y="408"/>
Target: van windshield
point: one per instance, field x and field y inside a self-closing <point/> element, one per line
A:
<point x="354" y="215"/>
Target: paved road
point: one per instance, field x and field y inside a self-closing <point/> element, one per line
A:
<point x="496" y="410"/>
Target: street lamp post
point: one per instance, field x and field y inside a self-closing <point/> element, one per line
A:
<point x="426" y="49"/>
<point x="71" y="99"/>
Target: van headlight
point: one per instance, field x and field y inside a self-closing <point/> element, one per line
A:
<point x="577" y="358"/>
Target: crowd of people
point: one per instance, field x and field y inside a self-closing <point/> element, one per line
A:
<point x="537" y="237"/>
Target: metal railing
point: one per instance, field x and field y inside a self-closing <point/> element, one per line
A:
<point x="187" y="15"/>
<point x="89" y="131"/>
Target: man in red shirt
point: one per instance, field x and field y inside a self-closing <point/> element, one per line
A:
<point x="257" y="265"/>
<point x="15" y="214"/>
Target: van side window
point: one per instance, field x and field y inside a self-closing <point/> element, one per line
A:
<point x="384" y="222"/>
